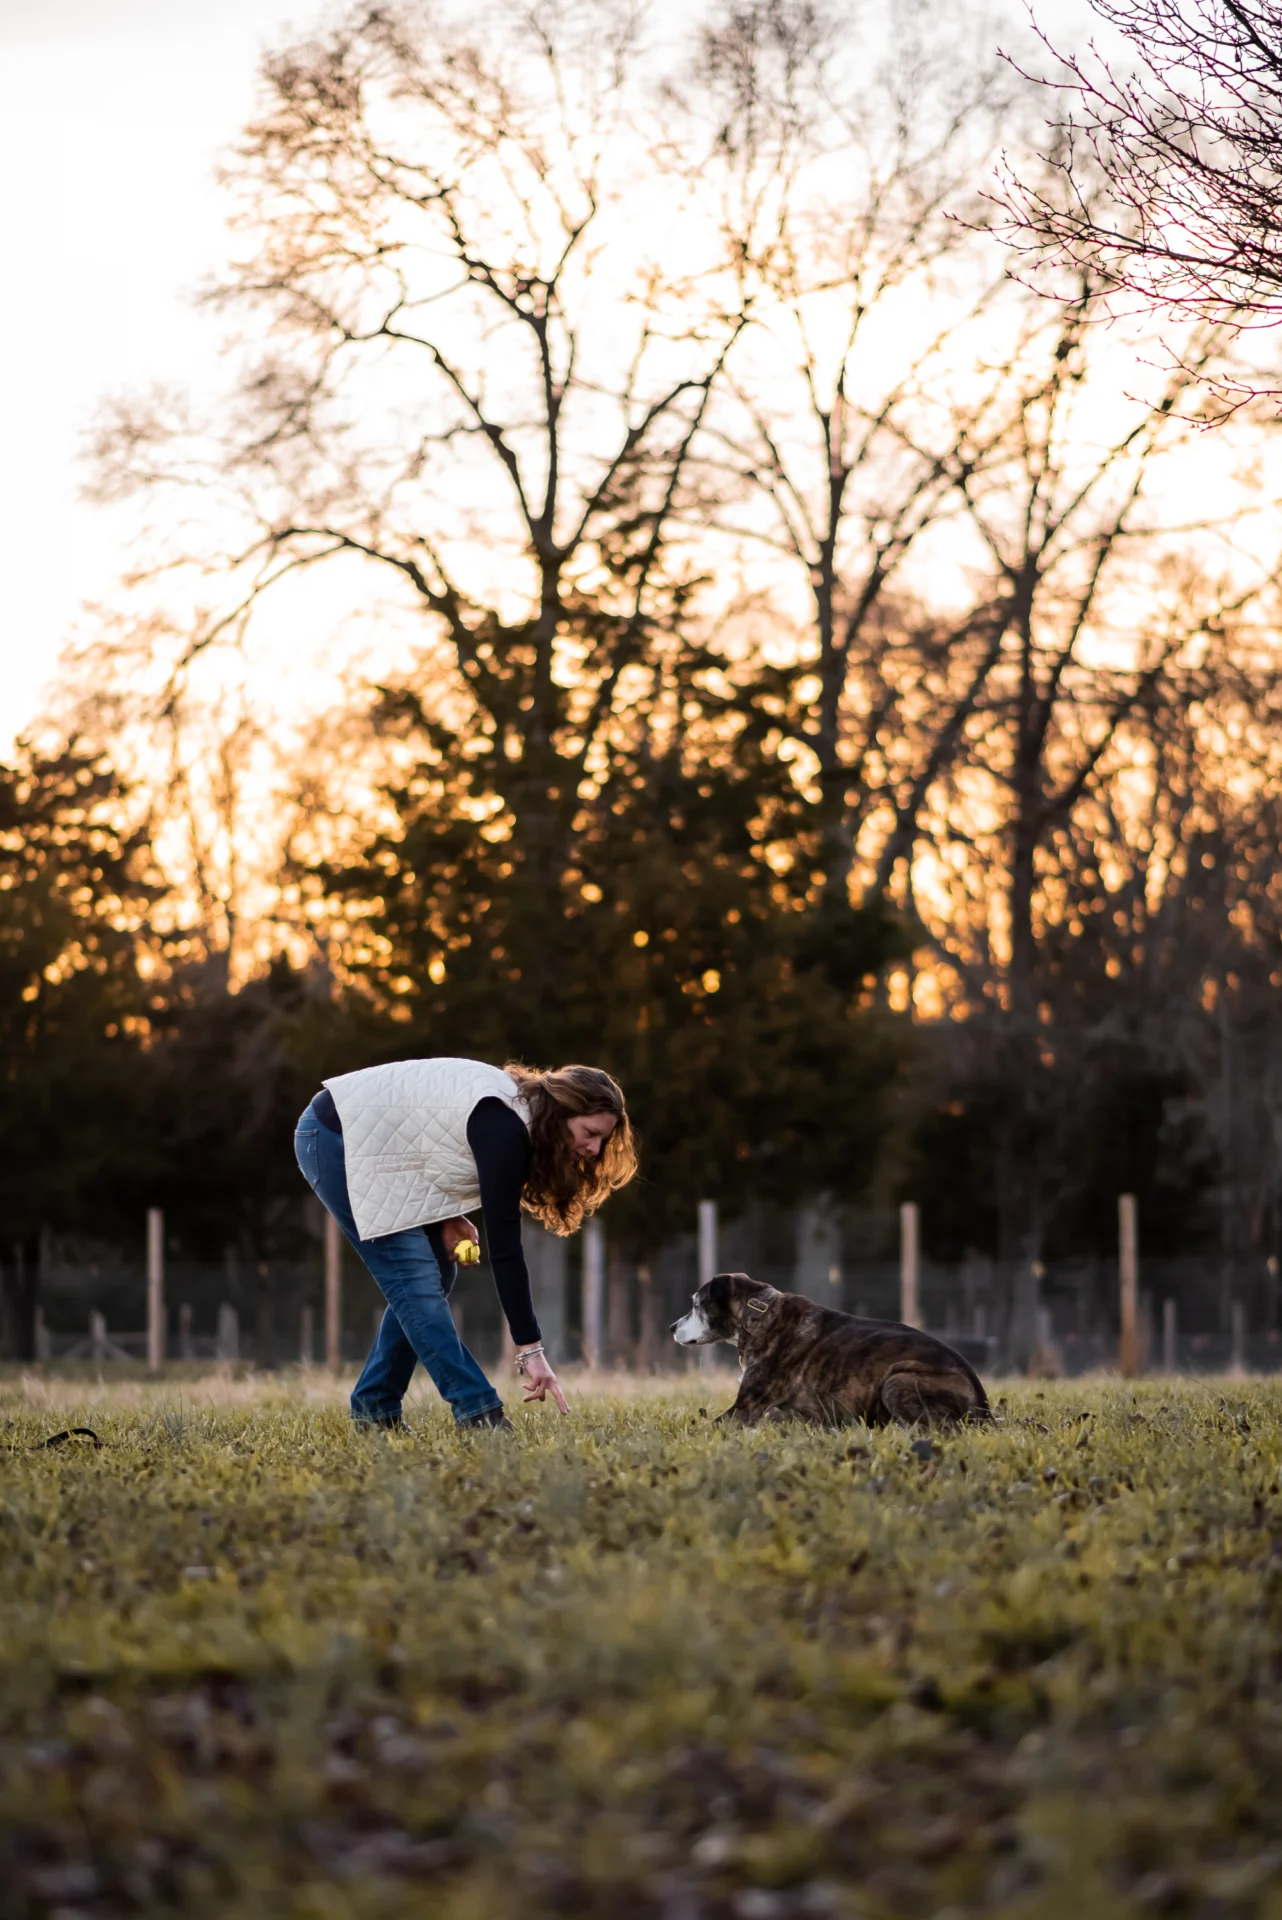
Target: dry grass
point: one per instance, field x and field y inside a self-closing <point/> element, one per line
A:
<point x="83" y="1387"/>
<point x="631" y="1664"/>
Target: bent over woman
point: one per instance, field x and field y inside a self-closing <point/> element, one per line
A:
<point x="400" y="1153"/>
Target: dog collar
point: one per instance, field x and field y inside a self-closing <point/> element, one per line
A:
<point x="760" y="1304"/>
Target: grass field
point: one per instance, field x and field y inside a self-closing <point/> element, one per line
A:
<point x="632" y="1664"/>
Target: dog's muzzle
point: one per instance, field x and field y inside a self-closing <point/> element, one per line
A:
<point x="692" y="1330"/>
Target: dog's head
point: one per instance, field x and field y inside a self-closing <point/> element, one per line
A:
<point x="717" y="1309"/>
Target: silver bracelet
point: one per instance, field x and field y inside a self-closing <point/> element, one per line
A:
<point x="527" y="1353"/>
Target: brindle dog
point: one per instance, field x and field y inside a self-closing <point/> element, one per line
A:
<point x="816" y="1364"/>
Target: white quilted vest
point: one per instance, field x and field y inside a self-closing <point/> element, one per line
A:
<point x="405" y="1139"/>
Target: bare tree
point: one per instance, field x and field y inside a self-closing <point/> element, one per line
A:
<point x="1188" y="925"/>
<point x="1088" y="627"/>
<point x="839" y="435"/>
<point x="1188" y="140"/>
<point x="201" y="752"/>
<point x="478" y="374"/>
<point x="522" y="320"/>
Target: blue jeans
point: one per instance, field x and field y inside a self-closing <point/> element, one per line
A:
<point x="414" y="1278"/>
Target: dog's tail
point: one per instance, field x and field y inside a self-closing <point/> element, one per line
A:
<point x="963" y="1400"/>
<point x="952" y="1396"/>
<point x="979" y="1410"/>
<point x="972" y="1408"/>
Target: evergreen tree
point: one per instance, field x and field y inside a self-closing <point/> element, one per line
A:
<point x="672" y="929"/>
<point x="75" y="887"/>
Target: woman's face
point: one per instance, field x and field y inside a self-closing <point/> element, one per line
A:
<point x="589" y="1132"/>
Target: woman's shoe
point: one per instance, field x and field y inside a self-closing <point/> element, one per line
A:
<point x="492" y="1417"/>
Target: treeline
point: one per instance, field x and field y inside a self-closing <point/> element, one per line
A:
<point x="827" y="696"/>
<point x="134" y="1075"/>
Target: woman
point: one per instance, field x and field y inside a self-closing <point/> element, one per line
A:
<point x="399" y="1153"/>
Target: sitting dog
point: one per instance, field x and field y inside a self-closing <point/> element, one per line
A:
<point x="812" y="1362"/>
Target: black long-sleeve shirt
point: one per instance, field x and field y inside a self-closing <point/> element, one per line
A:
<point x="500" y="1144"/>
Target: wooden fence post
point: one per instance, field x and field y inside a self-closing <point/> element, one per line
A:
<point x="909" y="1265"/>
<point x="307" y="1340"/>
<point x="1128" y="1273"/>
<point x="1168" y="1336"/>
<point x="333" y="1294"/>
<point x="227" y="1345"/>
<point x="619" y="1311"/>
<point x="593" y="1292"/>
<point x="651" y="1332"/>
<point x="264" y="1314"/>
<point x="707" y="1263"/>
<point x="99" y="1345"/>
<point x="155" y="1289"/>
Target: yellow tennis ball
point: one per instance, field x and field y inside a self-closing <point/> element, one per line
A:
<point x="467" y="1253"/>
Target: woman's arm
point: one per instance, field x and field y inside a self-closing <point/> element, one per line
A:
<point x="501" y="1149"/>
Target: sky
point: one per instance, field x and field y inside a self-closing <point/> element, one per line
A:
<point x="116" y="112"/>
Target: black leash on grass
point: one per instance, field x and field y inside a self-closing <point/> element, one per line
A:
<point x="60" y="1439"/>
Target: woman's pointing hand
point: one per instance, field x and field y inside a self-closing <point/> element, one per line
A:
<point x="539" y="1380"/>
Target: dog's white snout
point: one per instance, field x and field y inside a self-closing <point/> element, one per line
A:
<point x="691" y="1331"/>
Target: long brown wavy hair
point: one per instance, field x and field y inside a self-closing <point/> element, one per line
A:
<point x="562" y="1187"/>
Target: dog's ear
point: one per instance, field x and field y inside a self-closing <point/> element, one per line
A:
<point x="732" y="1289"/>
<point x="718" y="1298"/>
<point x="714" y="1294"/>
